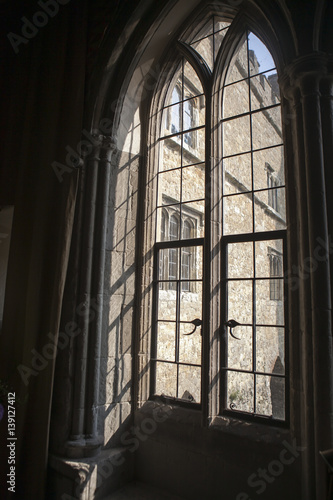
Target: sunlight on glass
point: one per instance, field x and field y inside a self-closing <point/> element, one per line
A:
<point x="240" y="359"/>
<point x="205" y="31"/>
<point x="189" y="345"/>
<point x="270" y="396"/>
<point x="166" y="341"/>
<point x="238" y="68"/>
<point x="268" y="311"/>
<point x="238" y="214"/>
<point x="194" y="86"/>
<point x="205" y="48"/>
<point x="166" y="379"/>
<point x="240" y="391"/>
<point x="240" y="260"/>
<point x="189" y="383"/>
<point x="236" y="99"/>
<point x="270" y="350"/>
<point x="237" y="174"/>
<point x="260" y="57"/>
<point x="240" y="301"/>
<point x="192" y="174"/>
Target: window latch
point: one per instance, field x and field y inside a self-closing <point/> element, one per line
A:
<point x="231" y="323"/>
<point x="196" y="322"/>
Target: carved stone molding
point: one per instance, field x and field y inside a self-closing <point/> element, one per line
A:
<point x="306" y="75"/>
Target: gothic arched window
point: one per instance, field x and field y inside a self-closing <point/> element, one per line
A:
<point x="221" y="177"/>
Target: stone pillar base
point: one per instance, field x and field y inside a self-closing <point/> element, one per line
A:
<point x="87" y="478"/>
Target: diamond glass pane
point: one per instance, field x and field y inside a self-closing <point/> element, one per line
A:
<point x="220" y="24"/>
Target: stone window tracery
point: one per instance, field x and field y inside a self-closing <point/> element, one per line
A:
<point x="219" y="134"/>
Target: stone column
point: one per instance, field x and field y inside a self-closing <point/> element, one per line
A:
<point x="108" y="147"/>
<point x="304" y="79"/>
<point x="84" y="440"/>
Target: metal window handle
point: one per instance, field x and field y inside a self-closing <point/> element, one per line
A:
<point x="196" y="322"/>
<point x="231" y="323"/>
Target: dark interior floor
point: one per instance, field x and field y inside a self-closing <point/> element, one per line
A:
<point x="141" y="491"/>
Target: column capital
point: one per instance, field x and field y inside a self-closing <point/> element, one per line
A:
<point x="305" y="74"/>
<point x="104" y="147"/>
<point x="107" y="147"/>
<point x="108" y="142"/>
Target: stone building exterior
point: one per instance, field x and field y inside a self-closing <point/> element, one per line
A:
<point x="185" y="110"/>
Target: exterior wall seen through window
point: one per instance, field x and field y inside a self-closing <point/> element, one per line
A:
<point x="253" y="371"/>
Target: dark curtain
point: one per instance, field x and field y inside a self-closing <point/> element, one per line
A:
<point x="42" y="97"/>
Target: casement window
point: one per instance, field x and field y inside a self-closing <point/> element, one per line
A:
<point x="168" y="263"/>
<point x="275" y="284"/>
<point x="175" y="111"/>
<point x="219" y="248"/>
<point x="272" y="185"/>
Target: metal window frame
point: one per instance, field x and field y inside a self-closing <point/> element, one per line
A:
<point x="206" y="77"/>
<point x="243" y="415"/>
